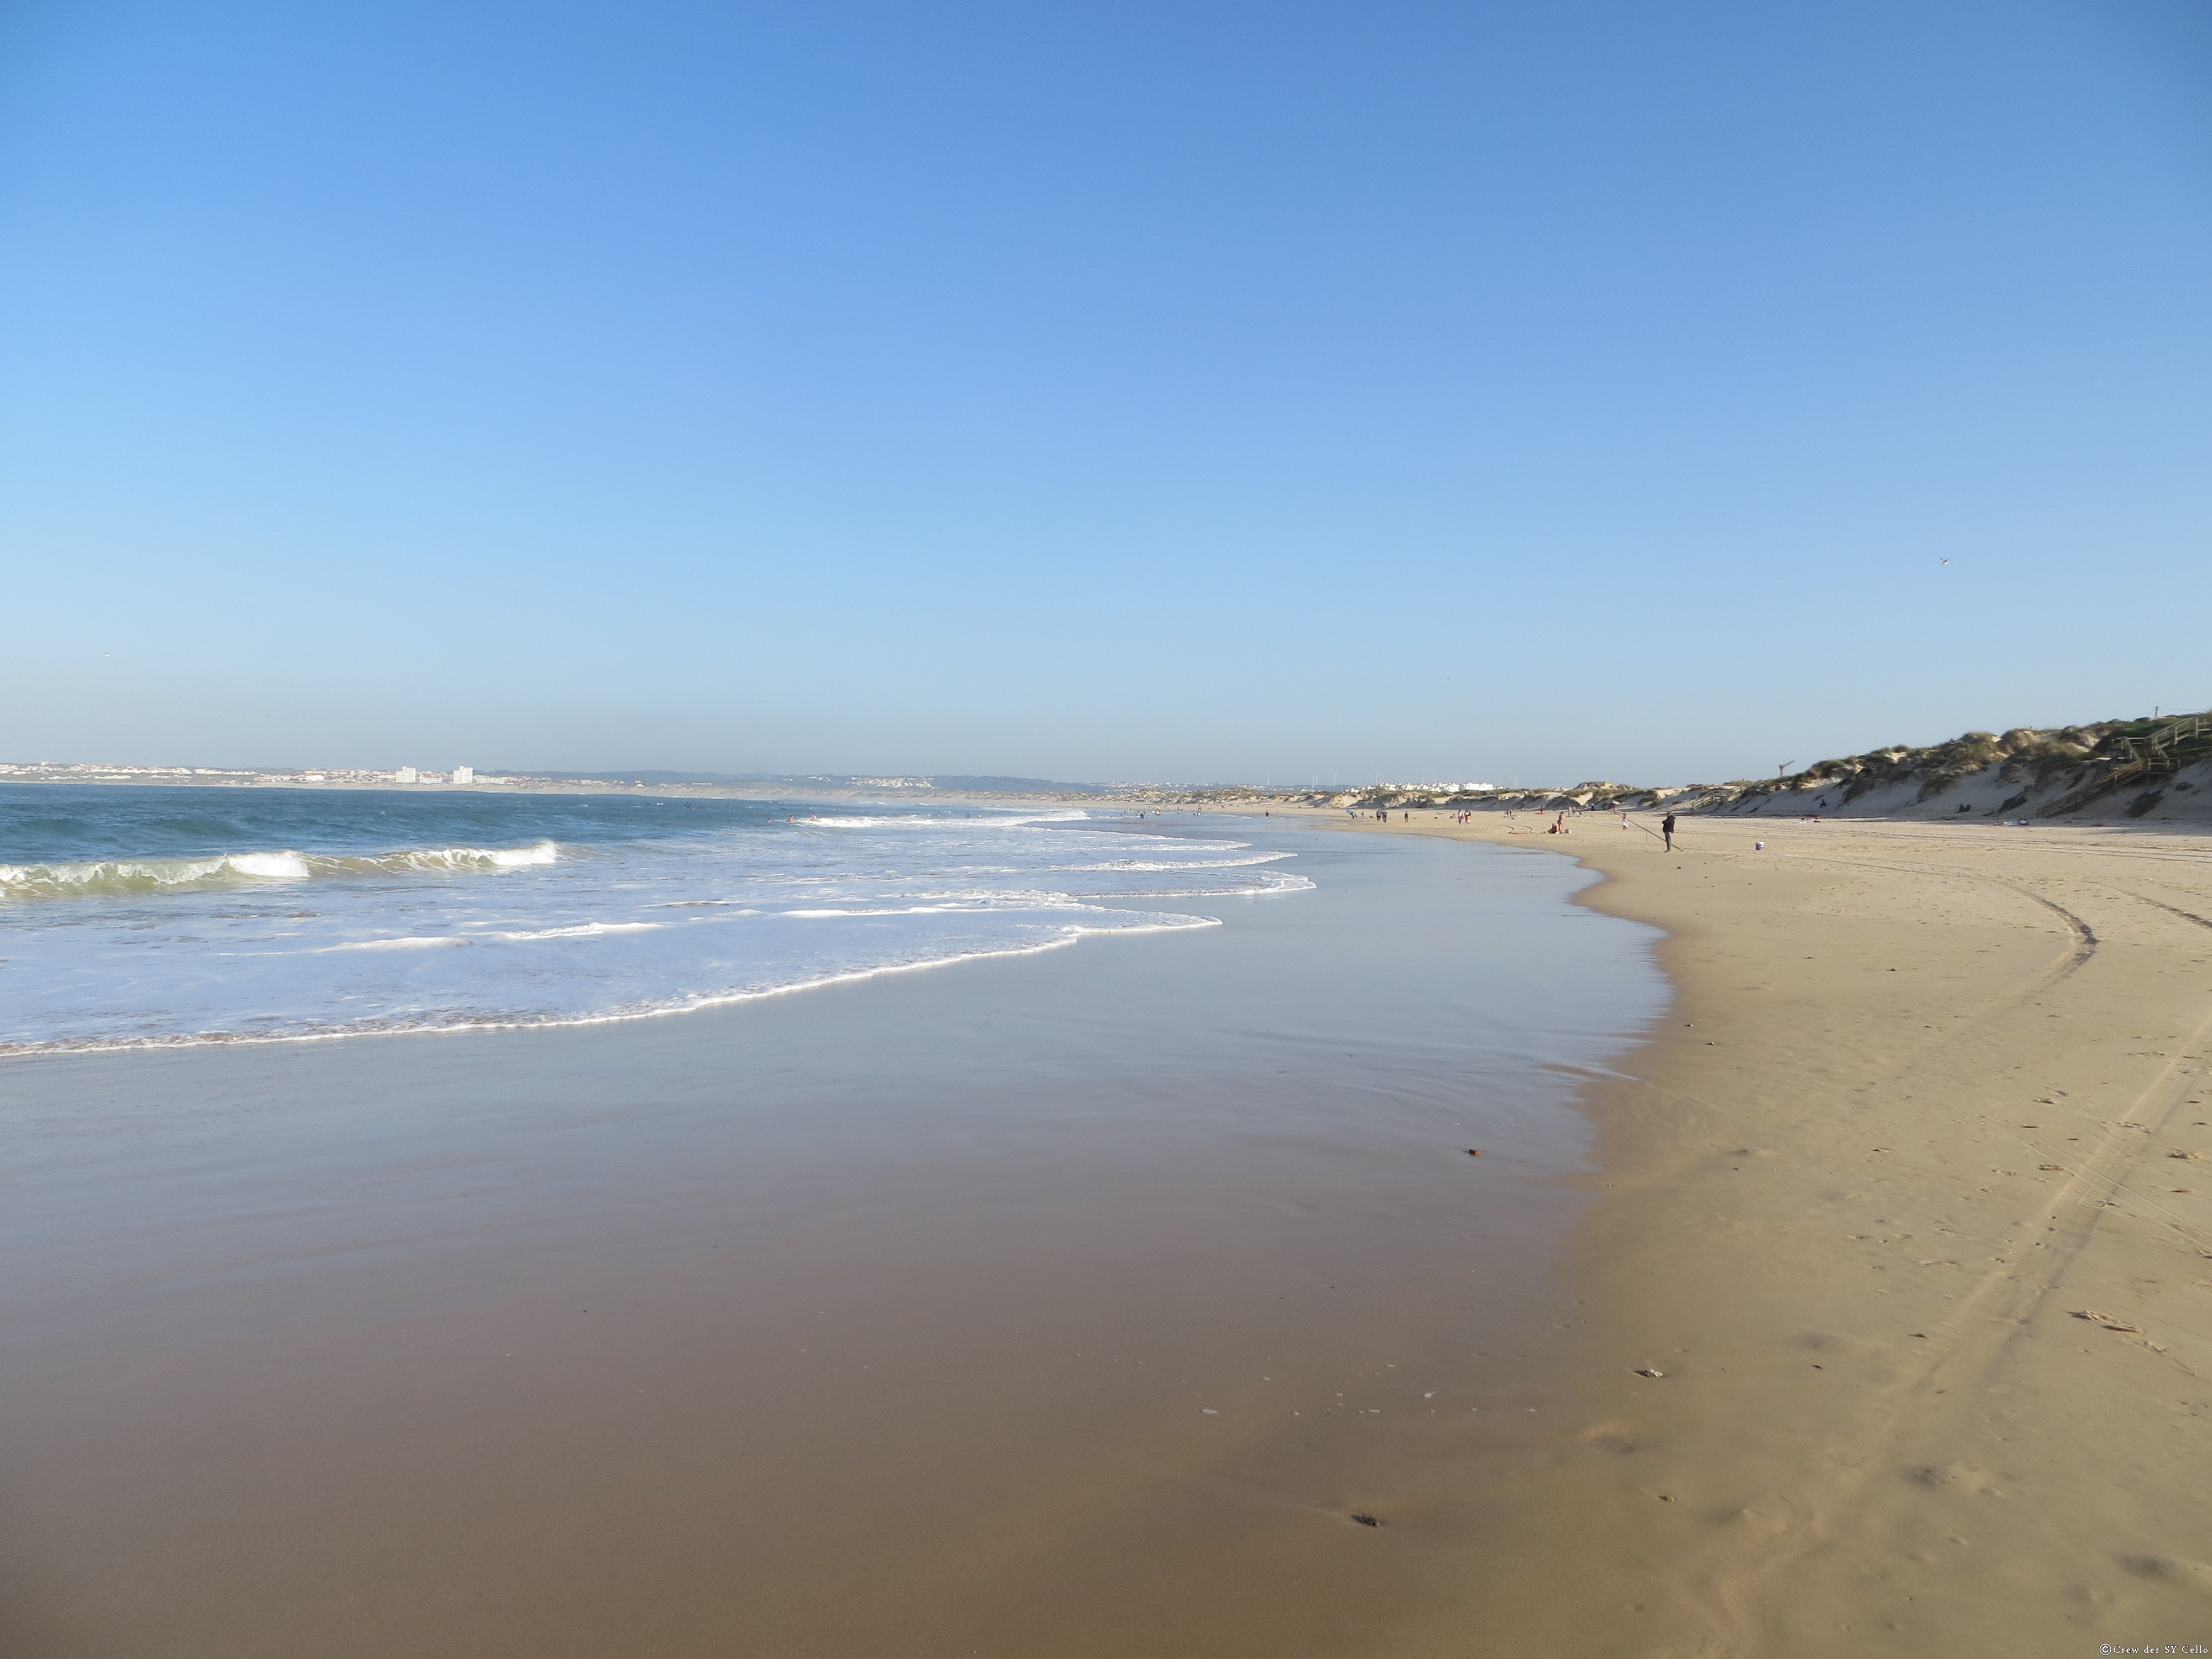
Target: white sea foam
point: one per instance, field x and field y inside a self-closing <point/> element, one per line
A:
<point x="518" y="858"/>
<point x="426" y="942"/>
<point x="105" y="876"/>
<point x="464" y="858"/>
<point x="433" y="941"/>
<point x="1270" y="883"/>
<point x="118" y="877"/>
<point x="586" y="930"/>
<point x="1186" y="864"/>
<point x="270" y="866"/>
<point x="974" y="821"/>
<point x="563" y="919"/>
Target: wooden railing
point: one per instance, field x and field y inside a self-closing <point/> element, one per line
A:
<point x="2155" y="755"/>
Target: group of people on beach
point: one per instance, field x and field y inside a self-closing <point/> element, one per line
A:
<point x="1558" y="827"/>
<point x="1382" y="815"/>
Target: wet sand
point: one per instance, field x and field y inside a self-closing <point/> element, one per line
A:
<point x="1911" y="1205"/>
<point x="1075" y="1304"/>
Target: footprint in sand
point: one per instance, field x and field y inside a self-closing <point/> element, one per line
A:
<point x="1949" y="1477"/>
<point x="2168" y="1570"/>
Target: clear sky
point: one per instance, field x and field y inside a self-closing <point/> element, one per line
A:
<point x="1278" y="391"/>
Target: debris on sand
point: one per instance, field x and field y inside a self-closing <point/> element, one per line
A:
<point x="2105" y="1320"/>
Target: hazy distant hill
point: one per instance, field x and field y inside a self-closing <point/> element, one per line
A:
<point x="1017" y="786"/>
<point x="2153" y="769"/>
<point x="2107" y="769"/>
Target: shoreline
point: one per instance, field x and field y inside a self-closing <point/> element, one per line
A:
<point x="1907" y="1201"/>
<point x="229" y="1043"/>
<point x="138" y="921"/>
<point x="1106" y="1301"/>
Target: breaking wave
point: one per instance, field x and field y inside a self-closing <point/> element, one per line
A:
<point x="134" y="917"/>
<point x="125" y="878"/>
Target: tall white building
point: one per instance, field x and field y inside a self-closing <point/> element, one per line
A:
<point x="464" y="775"/>
<point x="404" y="775"/>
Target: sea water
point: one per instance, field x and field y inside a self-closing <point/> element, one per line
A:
<point x="135" y="917"/>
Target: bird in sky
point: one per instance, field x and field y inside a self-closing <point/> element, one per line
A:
<point x="1943" y="562"/>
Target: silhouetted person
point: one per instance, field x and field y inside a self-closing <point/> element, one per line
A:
<point x="1667" y="829"/>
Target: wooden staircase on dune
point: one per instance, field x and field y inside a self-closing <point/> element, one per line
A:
<point x="2156" y="754"/>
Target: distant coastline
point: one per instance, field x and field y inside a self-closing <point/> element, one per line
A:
<point x="820" y="786"/>
<point x="2158" y="769"/>
<point x="648" y="783"/>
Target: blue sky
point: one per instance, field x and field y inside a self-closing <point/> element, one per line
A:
<point x="1132" y="391"/>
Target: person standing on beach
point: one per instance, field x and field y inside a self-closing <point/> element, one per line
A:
<point x="1667" y="829"/>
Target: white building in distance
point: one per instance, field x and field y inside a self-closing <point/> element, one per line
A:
<point x="464" y="775"/>
<point x="404" y="775"/>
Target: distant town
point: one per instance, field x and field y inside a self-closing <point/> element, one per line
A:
<point x="406" y="777"/>
<point x="345" y="777"/>
<point x="701" y="783"/>
<point x="356" y="778"/>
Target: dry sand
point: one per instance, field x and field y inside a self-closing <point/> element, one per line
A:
<point x="1911" y="1205"/>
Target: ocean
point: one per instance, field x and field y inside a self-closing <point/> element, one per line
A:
<point x="149" y="916"/>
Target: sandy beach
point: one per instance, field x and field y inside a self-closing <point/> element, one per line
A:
<point x="1907" y="1204"/>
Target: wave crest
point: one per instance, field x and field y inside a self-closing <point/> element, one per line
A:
<point x="125" y="878"/>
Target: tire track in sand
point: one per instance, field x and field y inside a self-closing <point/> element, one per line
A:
<point x="1974" y="1342"/>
